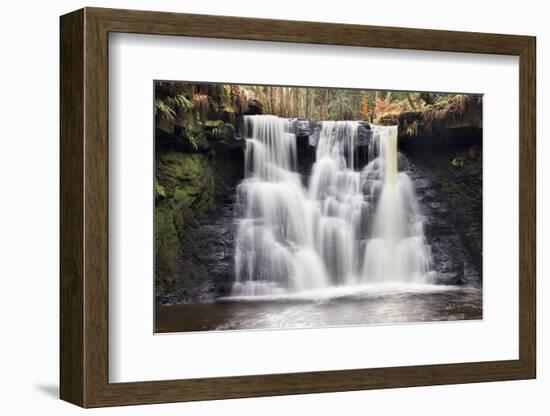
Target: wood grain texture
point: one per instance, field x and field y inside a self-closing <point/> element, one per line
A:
<point x="162" y="23"/>
<point x="96" y="225"/>
<point x="527" y="207"/>
<point x="84" y="207"/>
<point x="71" y="99"/>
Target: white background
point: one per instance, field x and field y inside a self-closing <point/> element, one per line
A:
<point x="166" y="357"/>
<point x="29" y="210"/>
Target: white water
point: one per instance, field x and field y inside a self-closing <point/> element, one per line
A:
<point x="345" y="228"/>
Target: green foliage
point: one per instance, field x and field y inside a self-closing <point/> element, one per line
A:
<point x="411" y="129"/>
<point x="183" y="166"/>
<point x="184" y="190"/>
<point x="228" y="131"/>
<point x="180" y="101"/>
<point x="220" y="130"/>
<point x="159" y="190"/>
<point x="213" y="123"/>
<point x="196" y="112"/>
<point x="182" y="196"/>
<point x="457" y="162"/>
<point x="200" y="113"/>
<point x="167" y="248"/>
<point x="227" y="103"/>
<point x="165" y="110"/>
<point x="193" y="128"/>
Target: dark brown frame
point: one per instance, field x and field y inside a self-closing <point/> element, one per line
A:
<point x="84" y="207"/>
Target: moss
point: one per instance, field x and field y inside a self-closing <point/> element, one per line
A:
<point x="457" y="162"/>
<point x="167" y="249"/>
<point x="182" y="195"/>
<point x="183" y="165"/>
<point x="159" y="190"/>
<point x="185" y="192"/>
<point x="219" y="132"/>
<point x="451" y="119"/>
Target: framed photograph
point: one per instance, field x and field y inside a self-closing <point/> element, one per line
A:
<point x="257" y="207"/>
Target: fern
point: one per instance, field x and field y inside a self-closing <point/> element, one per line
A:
<point x="165" y="109"/>
<point x="160" y="190"/>
<point x="214" y="123"/>
<point x="181" y="102"/>
<point x="193" y="128"/>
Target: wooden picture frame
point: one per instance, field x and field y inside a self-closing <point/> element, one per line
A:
<point x="84" y="207"/>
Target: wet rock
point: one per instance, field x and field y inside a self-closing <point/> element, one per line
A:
<point x="301" y="127"/>
<point x="364" y="133"/>
<point x="254" y="107"/>
<point x="454" y="277"/>
<point x="194" y="228"/>
<point x="422" y="184"/>
<point x="456" y="122"/>
<point x="315" y="135"/>
<point x="449" y="209"/>
<point x="429" y="195"/>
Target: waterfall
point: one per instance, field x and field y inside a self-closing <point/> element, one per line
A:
<point x="346" y="227"/>
<point x="396" y="249"/>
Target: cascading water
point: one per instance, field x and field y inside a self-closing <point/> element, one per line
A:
<point x="396" y="249"/>
<point x="345" y="228"/>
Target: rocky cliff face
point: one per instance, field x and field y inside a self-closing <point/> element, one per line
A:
<point x="454" y="123"/>
<point x="194" y="219"/>
<point x="448" y="185"/>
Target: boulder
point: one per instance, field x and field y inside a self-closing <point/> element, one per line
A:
<point x="301" y="127"/>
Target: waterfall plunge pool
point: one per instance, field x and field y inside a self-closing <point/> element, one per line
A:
<point x="377" y="304"/>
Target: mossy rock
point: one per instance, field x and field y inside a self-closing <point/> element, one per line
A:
<point x="167" y="249"/>
<point x="185" y="190"/>
<point x="185" y="178"/>
<point x="184" y="197"/>
<point x="184" y="165"/>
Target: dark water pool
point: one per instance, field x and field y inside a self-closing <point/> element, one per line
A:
<point x="334" y="307"/>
